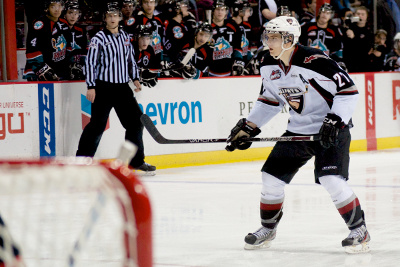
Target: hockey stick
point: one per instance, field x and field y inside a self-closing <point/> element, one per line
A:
<point x="151" y="128"/>
<point x="178" y="66"/>
<point x="262" y="48"/>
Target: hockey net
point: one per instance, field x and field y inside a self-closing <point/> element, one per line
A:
<point x="73" y="212"/>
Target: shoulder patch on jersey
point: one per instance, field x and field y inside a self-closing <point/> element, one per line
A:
<point x="275" y="74"/>
<point x="38" y="25"/>
<point x="130" y="21"/>
<point x="312" y="57"/>
<point x="177" y="31"/>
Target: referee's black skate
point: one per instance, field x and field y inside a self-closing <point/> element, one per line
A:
<point x="147" y="169"/>
<point x="357" y="241"/>
<point x="260" y="239"/>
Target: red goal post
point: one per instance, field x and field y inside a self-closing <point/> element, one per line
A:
<point x="73" y="212"/>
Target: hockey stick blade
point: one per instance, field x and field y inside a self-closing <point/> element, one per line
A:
<point x="188" y="56"/>
<point x="151" y="128"/>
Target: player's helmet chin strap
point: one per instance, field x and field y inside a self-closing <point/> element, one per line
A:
<point x="285" y="39"/>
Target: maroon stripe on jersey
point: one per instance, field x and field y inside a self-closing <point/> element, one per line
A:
<point x="265" y="101"/>
<point x="33" y="54"/>
<point x="354" y="92"/>
<point x="270" y="206"/>
<point x="231" y="26"/>
<point x="352" y="205"/>
<point x="203" y="51"/>
<point x="247" y="24"/>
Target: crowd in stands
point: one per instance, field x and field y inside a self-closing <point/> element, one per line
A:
<point x="225" y="36"/>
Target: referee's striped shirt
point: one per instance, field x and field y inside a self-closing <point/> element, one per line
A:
<point x="110" y="59"/>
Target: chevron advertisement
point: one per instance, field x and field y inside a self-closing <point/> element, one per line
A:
<point x="46" y="119"/>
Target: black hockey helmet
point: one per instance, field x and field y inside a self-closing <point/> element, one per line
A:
<point x="111" y="8"/>
<point x="204" y="27"/>
<point x="47" y="3"/>
<point x="240" y="5"/>
<point x="326" y="7"/>
<point x="129" y="2"/>
<point x="219" y="4"/>
<point x="72" y="5"/>
<point x="283" y="11"/>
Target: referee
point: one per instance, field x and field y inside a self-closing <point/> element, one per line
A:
<point x="109" y="65"/>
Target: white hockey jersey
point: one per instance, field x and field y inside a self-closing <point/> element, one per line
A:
<point x="312" y="86"/>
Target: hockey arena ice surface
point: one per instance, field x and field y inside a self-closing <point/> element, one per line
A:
<point x="202" y="214"/>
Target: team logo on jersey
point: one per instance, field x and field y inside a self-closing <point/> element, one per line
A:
<point x="275" y="74"/>
<point x="294" y="97"/>
<point x="222" y="49"/>
<point x="244" y="45"/>
<point x="38" y="25"/>
<point x="60" y="45"/>
<point x="130" y="21"/>
<point x="311" y="58"/>
<point x="156" y="42"/>
<point x="320" y="45"/>
<point x="177" y="32"/>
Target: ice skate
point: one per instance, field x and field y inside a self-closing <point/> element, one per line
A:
<point x="357" y="241"/>
<point x="260" y="239"/>
<point x="146" y="169"/>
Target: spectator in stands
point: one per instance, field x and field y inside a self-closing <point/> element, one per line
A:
<point x="338" y="5"/>
<point x="79" y="40"/>
<point x="267" y="10"/>
<point x="309" y="14"/>
<point x="129" y="12"/>
<point x="323" y="35"/>
<point x="392" y="59"/>
<point x="46" y="46"/>
<point x="378" y="51"/>
<point x="145" y="57"/>
<point x="358" y="40"/>
<point x="227" y="55"/>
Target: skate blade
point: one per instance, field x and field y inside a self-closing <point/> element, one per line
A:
<point x="142" y="173"/>
<point x="266" y="244"/>
<point x="362" y="248"/>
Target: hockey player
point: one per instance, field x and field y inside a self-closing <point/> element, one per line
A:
<point x="78" y="39"/>
<point x="227" y="56"/>
<point x="202" y="58"/>
<point x="146" y="16"/>
<point x="323" y="34"/>
<point x="176" y="33"/>
<point x="46" y="46"/>
<point x="392" y="59"/>
<point x="145" y="57"/>
<point x="129" y="12"/>
<point x="322" y="98"/>
<point x="241" y="11"/>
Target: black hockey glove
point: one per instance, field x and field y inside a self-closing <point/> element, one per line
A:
<point x="240" y="132"/>
<point x="46" y="73"/>
<point x="148" y="78"/>
<point x="330" y="130"/>
<point x="189" y="71"/>
<point x="76" y="71"/>
<point x="237" y="67"/>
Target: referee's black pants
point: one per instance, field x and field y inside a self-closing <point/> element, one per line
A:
<point x="120" y="97"/>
